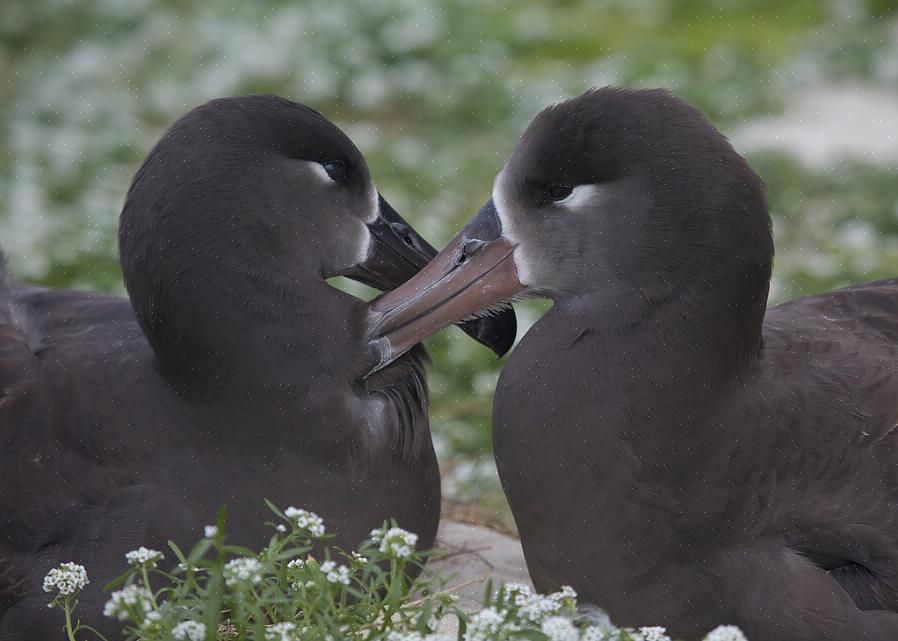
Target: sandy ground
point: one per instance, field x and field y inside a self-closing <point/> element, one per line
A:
<point x="827" y="124"/>
<point x="474" y="554"/>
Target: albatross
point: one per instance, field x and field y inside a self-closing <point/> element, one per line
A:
<point x="674" y="451"/>
<point x="233" y="372"/>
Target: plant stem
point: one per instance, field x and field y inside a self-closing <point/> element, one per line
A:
<point x="68" y="619"/>
<point x="146" y="584"/>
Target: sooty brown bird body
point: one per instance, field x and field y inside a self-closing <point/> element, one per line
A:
<point x="233" y="374"/>
<point x="672" y="450"/>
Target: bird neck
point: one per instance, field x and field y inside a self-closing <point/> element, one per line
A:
<point x="232" y="333"/>
<point x="714" y="328"/>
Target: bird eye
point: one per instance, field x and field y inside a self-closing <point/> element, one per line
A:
<point x="336" y="170"/>
<point x="559" y="191"/>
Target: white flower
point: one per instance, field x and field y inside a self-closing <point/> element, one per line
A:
<point x="189" y="631"/>
<point x="654" y="633"/>
<point x="594" y="633"/>
<point x="306" y="520"/>
<point x="243" y="569"/>
<point x="143" y="556"/>
<point x="358" y="558"/>
<point x="395" y="635"/>
<point x="280" y="527"/>
<point x="536" y="607"/>
<point x="395" y="541"/>
<point x="210" y="531"/>
<point x="483" y="624"/>
<point x="560" y="629"/>
<point x="66" y="579"/>
<point x="725" y="633"/>
<point x="296" y="563"/>
<point x="280" y="631"/>
<point x="151" y="617"/>
<point x="336" y="573"/>
<point x="130" y="597"/>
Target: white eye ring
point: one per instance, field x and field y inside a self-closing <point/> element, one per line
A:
<point x="581" y="196"/>
<point x="320" y="172"/>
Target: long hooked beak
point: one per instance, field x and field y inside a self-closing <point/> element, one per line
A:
<point x="475" y="271"/>
<point x="398" y="252"/>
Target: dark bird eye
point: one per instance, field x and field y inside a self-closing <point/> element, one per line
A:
<point x="559" y="192"/>
<point x="336" y="170"/>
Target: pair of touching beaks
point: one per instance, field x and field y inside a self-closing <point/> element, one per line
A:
<point x="471" y="275"/>
<point x="395" y="256"/>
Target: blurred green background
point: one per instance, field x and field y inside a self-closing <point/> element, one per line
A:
<point x="436" y="95"/>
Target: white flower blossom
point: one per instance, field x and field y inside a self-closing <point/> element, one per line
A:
<point x="594" y="633"/>
<point x="395" y="541"/>
<point x="151" y="617"/>
<point x="306" y="520"/>
<point x="336" y="573"/>
<point x="483" y="624"/>
<point x="210" y="531"/>
<point x="296" y="563"/>
<point x="654" y="633"/>
<point x="280" y="631"/>
<point x="66" y="579"/>
<point x="725" y="633"/>
<point x="280" y="527"/>
<point x="559" y="629"/>
<point x="143" y="556"/>
<point x="396" y="635"/>
<point x="189" y="631"/>
<point x="358" y="558"/>
<point x="130" y="597"/>
<point x="535" y="607"/>
<point x="243" y="569"/>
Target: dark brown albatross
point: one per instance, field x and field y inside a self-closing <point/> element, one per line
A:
<point x="673" y="454"/>
<point x="234" y="373"/>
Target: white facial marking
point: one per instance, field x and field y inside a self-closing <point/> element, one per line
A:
<point x="374" y="200"/>
<point x="581" y="196"/>
<point x="319" y="172"/>
<point x="366" y="244"/>
<point x="508" y="230"/>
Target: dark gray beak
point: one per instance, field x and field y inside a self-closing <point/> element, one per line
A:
<point x="398" y="253"/>
<point x="474" y="272"/>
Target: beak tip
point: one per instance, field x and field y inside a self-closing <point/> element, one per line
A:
<point x="496" y="332"/>
<point x="381" y="354"/>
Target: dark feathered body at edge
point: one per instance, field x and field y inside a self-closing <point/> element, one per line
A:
<point x="676" y="455"/>
<point x="96" y="446"/>
<point x="253" y="390"/>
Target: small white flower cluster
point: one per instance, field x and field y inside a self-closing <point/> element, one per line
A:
<point x="280" y="632"/>
<point x="130" y="597"/>
<point x="535" y="607"/>
<point x="296" y="563"/>
<point x="483" y="624"/>
<point x="210" y="531"/>
<point x="358" y="558"/>
<point x="654" y="633"/>
<point x="243" y="569"/>
<point x="335" y="573"/>
<point x="560" y="629"/>
<point x="725" y="633"/>
<point x="144" y="556"/>
<point x="189" y="631"/>
<point x="395" y="635"/>
<point x="66" y="579"/>
<point x="151" y="617"/>
<point x="306" y="520"/>
<point x="395" y="541"/>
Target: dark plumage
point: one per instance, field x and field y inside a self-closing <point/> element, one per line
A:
<point x="676" y="455"/>
<point x="233" y="374"/>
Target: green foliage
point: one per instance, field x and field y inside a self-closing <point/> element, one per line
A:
<point x="299" y="587"/>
